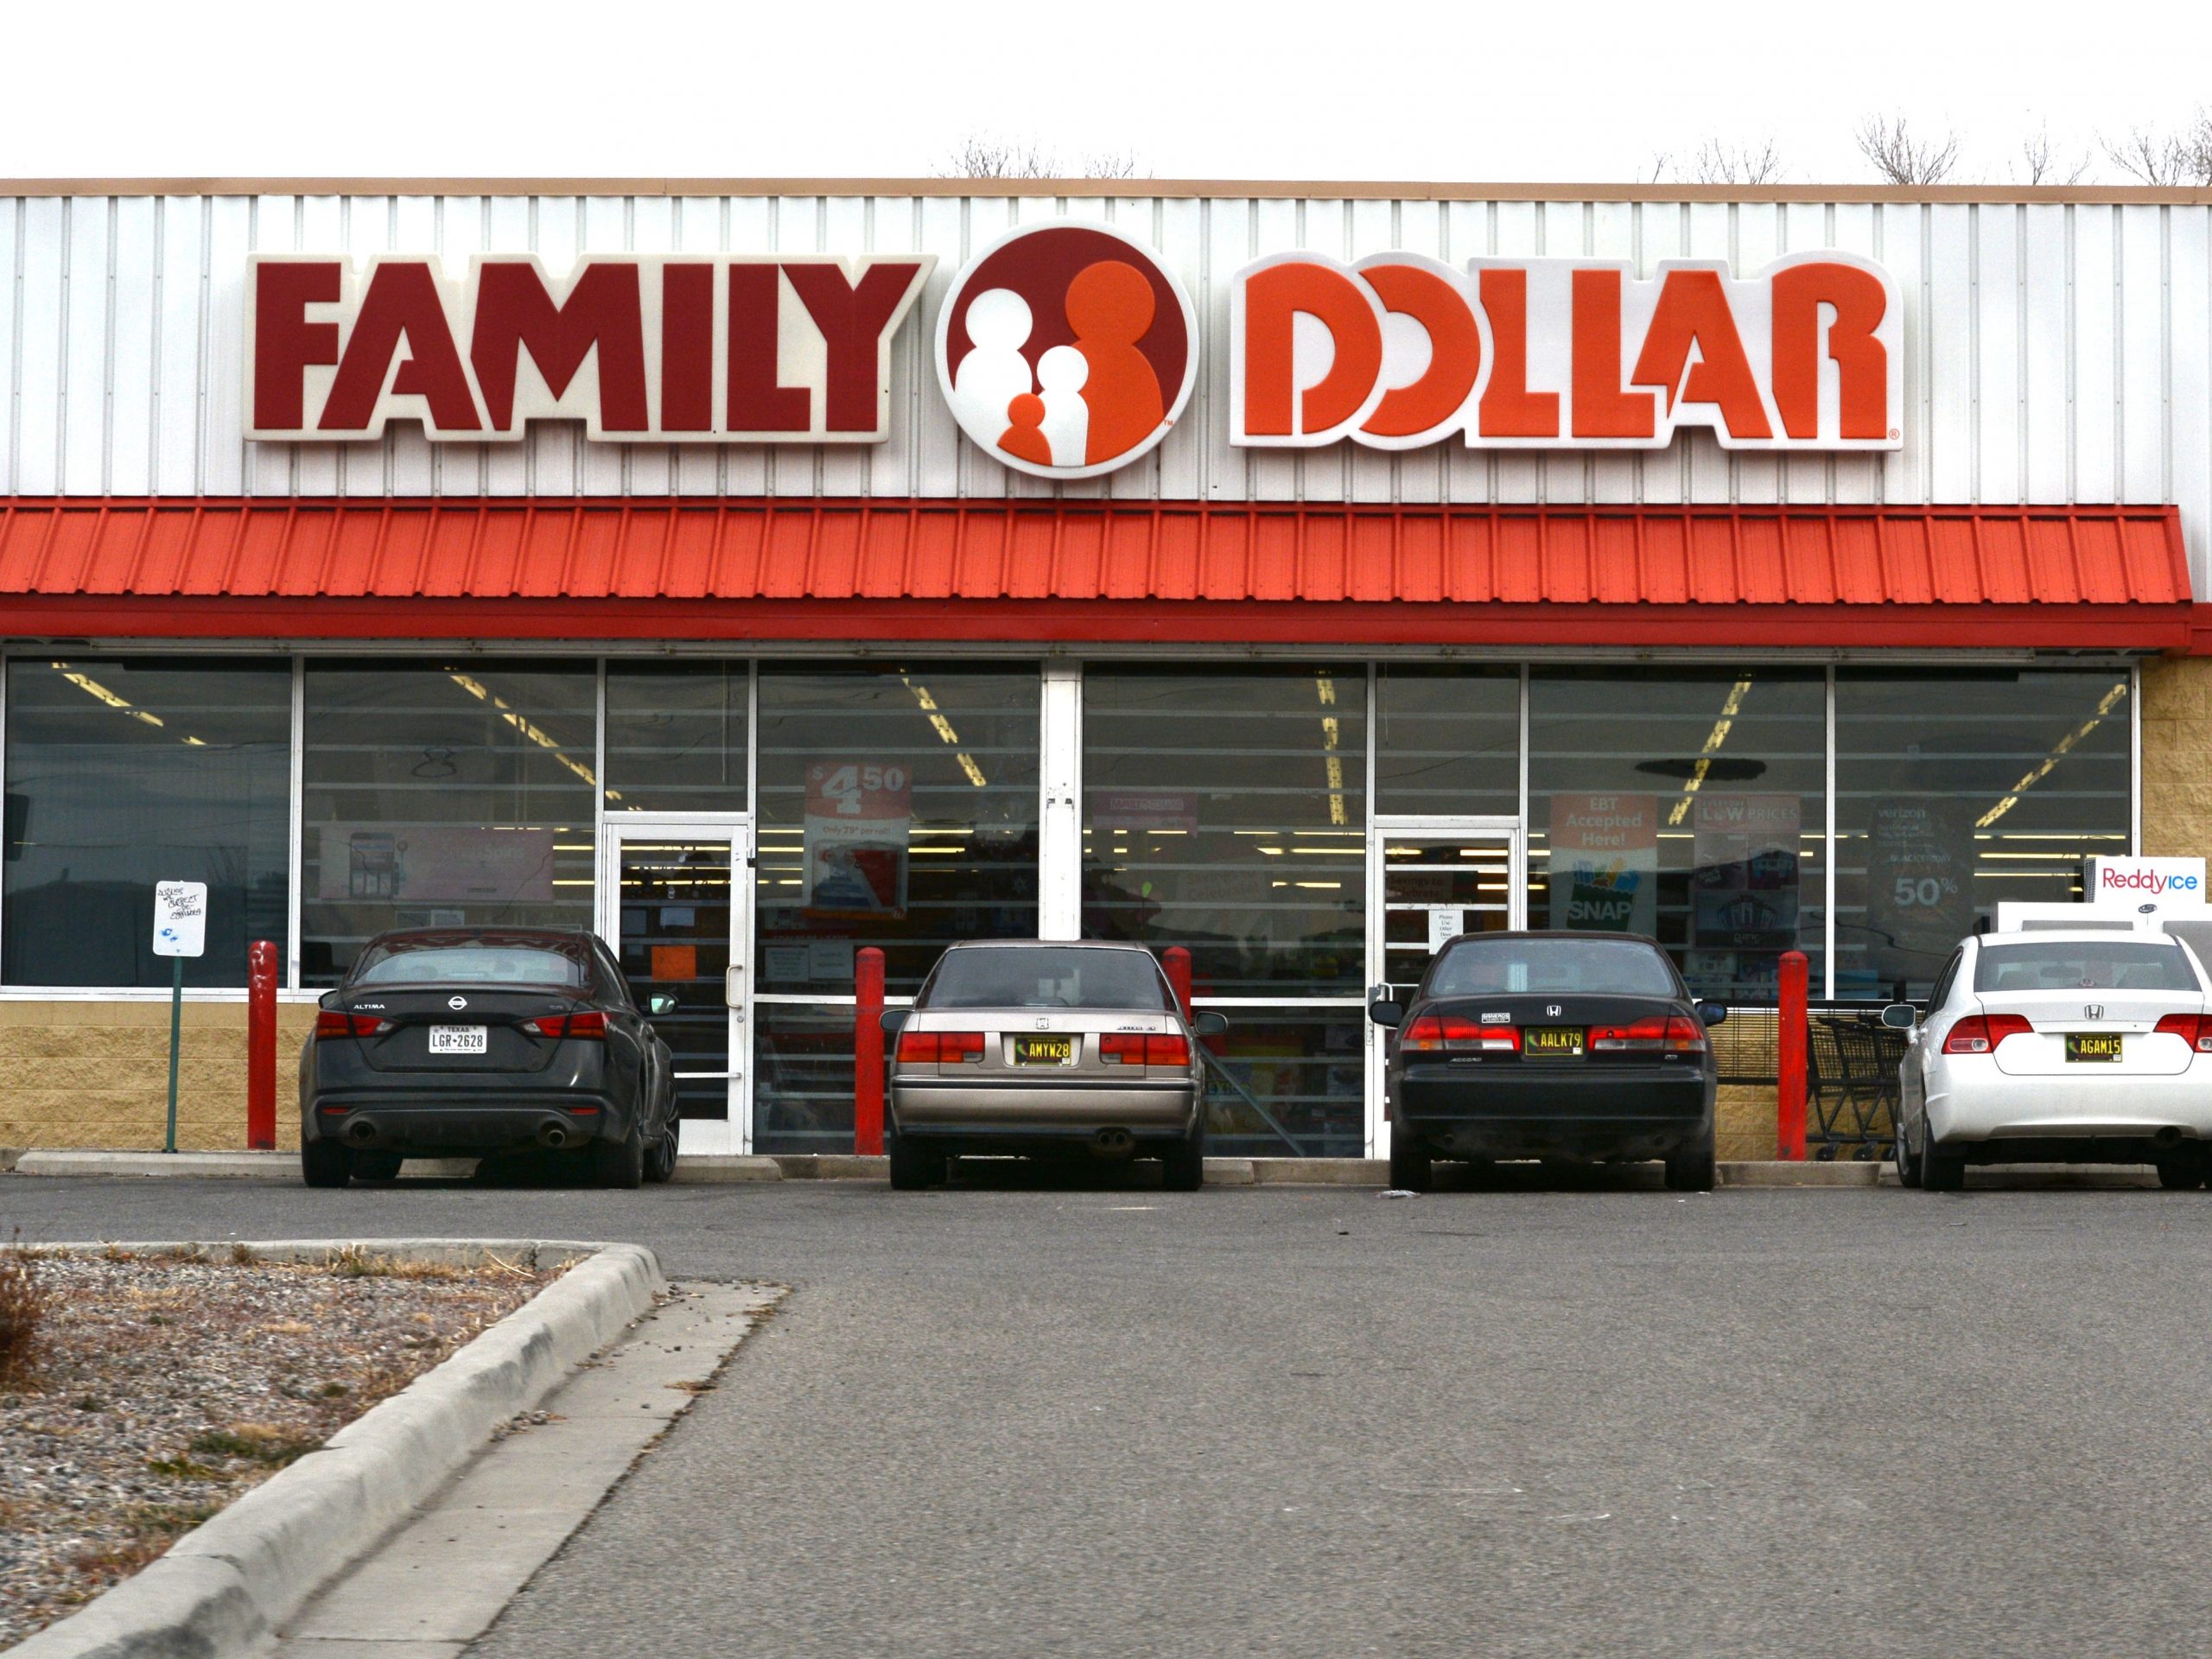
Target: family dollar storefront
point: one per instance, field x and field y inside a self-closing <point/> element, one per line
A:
<point x="1304" y="575"/>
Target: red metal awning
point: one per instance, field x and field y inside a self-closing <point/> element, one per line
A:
<point x="2097" y="577"/>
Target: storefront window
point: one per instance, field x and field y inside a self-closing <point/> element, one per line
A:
<point x="1447" y="740"/>
<point x="675" y="736"/>
<point x="122" y="773"/>
<point x="1954" y="790"/>
<point x="1687" y="804"/>
<point x="444" y="794"/>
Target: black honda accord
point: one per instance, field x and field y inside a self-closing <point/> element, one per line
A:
<point x="1570" y="1045"/>
<point x="469" y="1042"/>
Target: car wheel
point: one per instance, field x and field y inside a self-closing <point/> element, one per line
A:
<point x="913" y="1166"/>
<point x="2182" y="1171"/>
<point x="660" y="1161"/>
<point x="375" y="1166"/>
<point x="619" y="1163"/>
<point x="1183" y="1164"/>
<point x="1694" y="1170"/>
<point x="1412" y="1170"/>
<point x="1908" y="1160"/>
<point x="1942" y="1171"/>
<point x="325" y="1163"/>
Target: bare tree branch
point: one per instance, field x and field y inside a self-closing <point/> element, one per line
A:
<point x="980" y="156"/>
<point x="2180" y="157"/>
<point x="1889" y="146"/>
<point x="1718" y="163"/>
<point x="2043" y="163"/>
<point x="1661" y="165"/>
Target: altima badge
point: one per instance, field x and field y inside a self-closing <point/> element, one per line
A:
<point x="456" y="1002"/>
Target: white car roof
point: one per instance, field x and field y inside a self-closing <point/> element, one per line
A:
<point x="2078" y="936"/>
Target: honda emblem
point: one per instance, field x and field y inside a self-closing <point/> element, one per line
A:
<point x="1552" y="1011"/>
<point x="2094" y="1011"/>
<point x="1043" y="1024"/>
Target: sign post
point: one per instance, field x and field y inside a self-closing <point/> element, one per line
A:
<point x="179" y="931"/>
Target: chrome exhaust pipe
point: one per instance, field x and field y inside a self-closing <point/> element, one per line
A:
<point x="552" y="1134"/>
<point x="2167" y="1139"/>
<point x="1113" y="1143"/>
<point x="361" y="1132"/>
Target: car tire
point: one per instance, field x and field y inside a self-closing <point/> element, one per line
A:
<point x="619" y="1163"/>
<point x="1908" y="1160"/>
<point x="2182" y="1171"/>
<point x="1942" y="1171"/>
<point x="913" y="1166"/>
<point x="325" y="1163"/>
<point x="374" y="1165"/>
<point x="660" y="1160"/>
<point x="1412" y="1169"/>
<point x="1183" y="1166"/>
<point x="1694" y="1170"/>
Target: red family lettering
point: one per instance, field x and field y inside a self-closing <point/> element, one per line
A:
<point x="667" y="348"/>
<point x="1400" y="350"/>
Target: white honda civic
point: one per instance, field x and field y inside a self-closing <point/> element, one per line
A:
<point x="2066" y="1047"/>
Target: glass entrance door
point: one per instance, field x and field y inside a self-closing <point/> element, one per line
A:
<point x="1430" y="880"/>
<point x="676" y="905"/>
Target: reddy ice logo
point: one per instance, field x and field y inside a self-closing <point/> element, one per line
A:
<point x="1066" y="350"/>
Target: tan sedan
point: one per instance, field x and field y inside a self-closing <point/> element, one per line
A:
<point x="1029" y="1046"/>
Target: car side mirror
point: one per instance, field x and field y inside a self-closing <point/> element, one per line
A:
<point x="1900" y="1016"/>
<point x="1386" y="1013"/>
<point x="894" y="1021"/>
<point x="1713" y="1012"/>
<point x="658" y="1003"/>
<point x="1211" y="1023"/>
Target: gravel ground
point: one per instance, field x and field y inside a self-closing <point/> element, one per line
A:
<point x="163" y="1387"/>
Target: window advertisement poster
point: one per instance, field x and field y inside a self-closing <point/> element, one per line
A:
<point x="1605" y="862"/>
<point x="858" y="816"/>
<point x="434" y="863"/>
<point x="1919" y="887"/>
<point x="1745" y="888"/>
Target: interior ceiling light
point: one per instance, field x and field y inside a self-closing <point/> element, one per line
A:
<point x="121" y="704"/>
<point x="1714" y="740"/>
<point x="943" y="729"/>
<point x="535" y="733"/>
<point x="2043" y="768"/>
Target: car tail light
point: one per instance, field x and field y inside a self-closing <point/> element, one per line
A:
<point x="939" y="1047"/>
<point x="1141" y="1048"/>
<point x="590" y="1024"/>
<point x="330" y="1022"/>
<point x="1671" y="1034"/>
<point x="1435" y="1032"/>
<point x="1980" y="1033"/>
<point x="2194" y="1029"/>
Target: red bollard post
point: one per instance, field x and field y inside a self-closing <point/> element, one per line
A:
<point x="1790" y="1060"/>
<point x="1176" y="960"/>
<point x="261" y="1046"/>
<point x="867" y="1051"/>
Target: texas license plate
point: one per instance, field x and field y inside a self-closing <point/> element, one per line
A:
<point x="457" y="1040"/>
<point x="2092" y="1044"/>
<point x="1552" y="1042"/>
<point x="1044" y="1051"/>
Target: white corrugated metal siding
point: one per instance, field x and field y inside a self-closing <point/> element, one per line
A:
<point x="2056" y="351"/>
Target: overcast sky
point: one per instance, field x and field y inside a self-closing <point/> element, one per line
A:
<point x="1357" y="89"/>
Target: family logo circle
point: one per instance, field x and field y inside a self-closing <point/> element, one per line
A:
<point x="1066" y="350"/>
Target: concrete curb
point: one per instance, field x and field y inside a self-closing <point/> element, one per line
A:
<point x="200" y="1166"/>
<point x="1808" y="1173"/>
<point x="229" y="1584"/>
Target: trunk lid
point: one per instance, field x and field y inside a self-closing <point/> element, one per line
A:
<point x="415" y="1013"/>
<point x="2130" y="1016"/>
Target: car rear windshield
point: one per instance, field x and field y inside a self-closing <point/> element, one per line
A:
<point x="1541" y="967"/>
<point x="469" y="962"/>
<point x="1033" y="977"/>
<point x="2086" y="964"/>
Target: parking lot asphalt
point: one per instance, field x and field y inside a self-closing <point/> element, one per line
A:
<point x="1085" y="1419"/>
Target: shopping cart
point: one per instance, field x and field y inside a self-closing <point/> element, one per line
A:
<point x="1850" y="1086"/>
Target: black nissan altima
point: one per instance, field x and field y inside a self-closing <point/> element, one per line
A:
<point x="468" y="1042"/>
<point x="1571" y="1046"/>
